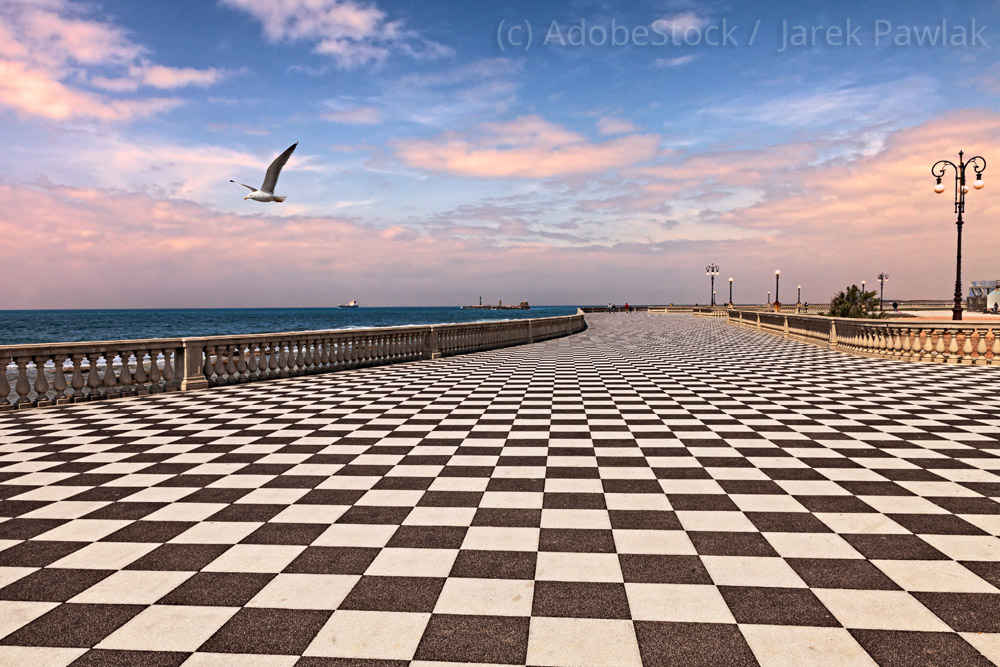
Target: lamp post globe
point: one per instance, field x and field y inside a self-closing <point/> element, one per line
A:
<point x="882" y="277"/>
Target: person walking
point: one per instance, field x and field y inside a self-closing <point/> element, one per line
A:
<point x="609" y="307"/>
<point x="895" y="306"/>
<point x="627" y="311"/>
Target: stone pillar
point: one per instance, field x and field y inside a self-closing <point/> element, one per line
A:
<point x="191" y="365"/>
<point x="431" y="345"/>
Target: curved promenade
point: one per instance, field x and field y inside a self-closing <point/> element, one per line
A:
<point x="659" y="489"/>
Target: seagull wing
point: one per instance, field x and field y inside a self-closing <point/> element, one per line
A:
<point x="244" y="185"/>
<point x="271" y="178"/>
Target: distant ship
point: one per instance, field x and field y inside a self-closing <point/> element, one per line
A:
<point x="349" y="304"/>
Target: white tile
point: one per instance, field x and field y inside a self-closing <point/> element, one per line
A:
<point x="689" y="603"/>
<point x="789" y="646"/>
<point x="369" y="634"/>
<point x="305" y="591"/>
<point x="132" y="587"/>
<point x="169" y="628"/>
<point x="494" y="597"/>
<point x="582" y="641"/>
<point x="879" y="610"/>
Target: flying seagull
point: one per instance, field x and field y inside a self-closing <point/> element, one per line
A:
<point x="266" y="191"/>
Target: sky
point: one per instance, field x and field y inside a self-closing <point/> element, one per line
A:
<point x="572" y="152"/>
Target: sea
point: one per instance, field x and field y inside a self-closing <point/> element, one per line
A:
<point x="19" y="327"/>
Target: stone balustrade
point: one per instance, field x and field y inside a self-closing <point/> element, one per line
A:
<point x="968" y="342"/>
<point x="47" y="374"/>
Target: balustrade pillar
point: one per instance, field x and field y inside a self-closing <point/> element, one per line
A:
<point x="5" y="403"/>
<point x="192" y="364"/>
<point x="59" y="379"/>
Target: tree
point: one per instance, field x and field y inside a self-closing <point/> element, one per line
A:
<point x="853" y="302"/>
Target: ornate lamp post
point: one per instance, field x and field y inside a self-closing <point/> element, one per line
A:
<point x="769" y="297"/>
<point x="798" y="299"/>
<point x="712" y="270"/>
<point x="938" y="171"/>
<point x="730" y="291"/>
<point x="777" y="277"/>
<point x="882" y="277"/>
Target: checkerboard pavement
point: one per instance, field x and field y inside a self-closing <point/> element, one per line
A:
<point x="656" y="490"/>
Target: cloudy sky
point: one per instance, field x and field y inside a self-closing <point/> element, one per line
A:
<point x="445" y="155"/>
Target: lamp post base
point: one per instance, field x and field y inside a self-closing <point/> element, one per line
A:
<point x="956" y="314"/>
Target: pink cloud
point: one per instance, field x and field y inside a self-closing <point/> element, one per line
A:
<point x="529" y="147"/>
<point x="160" y="76"/>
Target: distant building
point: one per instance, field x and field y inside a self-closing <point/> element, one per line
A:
<point x="983" y="294"/>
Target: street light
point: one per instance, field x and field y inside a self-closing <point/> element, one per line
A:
<point x="730" y="291"/>
<point x="882" y="277"/>
<point x="798" y="299"/>
<point x="777" y="277"/>
<point x="769" y="297"/>
<point x="712" y="270"/>
<point x="938" y="171"/>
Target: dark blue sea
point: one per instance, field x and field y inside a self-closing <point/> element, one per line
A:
<point x="50" y="326"/>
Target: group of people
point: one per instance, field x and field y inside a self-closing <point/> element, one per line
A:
<point x="613" y="308"/>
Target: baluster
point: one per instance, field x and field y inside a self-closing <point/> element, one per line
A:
<point x="939" y="347"/>
<point x="59" y="380"/>
<point x="966" y="348"/>
<point x="93" y="377"/>
<point x="140" y="376"/>
<point x="41" y="383"/>
<point x="252" y="368"/>
<point x="324" y="357"/>
<point x="282" y="363"/>
<point x="21" y="386"/>
<point x="996" y="347"/>
<point x="208" y="367"/>
<point x="154" y="370"/>
<point x="5" y="403"/>
<point x="125" y="377"/>
<point x="230" y="365"/>
<point x="110" y="380"/>
<point x="220" y="364"/>
<point x="906" y="343"/>
<point x="980" y="348"/>
<point x="928" y="349"/>
<point x="170" y="359"/>
<point x="241" y="362"/>
<point x="272" y="360"/>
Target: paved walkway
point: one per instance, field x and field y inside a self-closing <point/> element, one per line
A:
<point x="658" y="490"/>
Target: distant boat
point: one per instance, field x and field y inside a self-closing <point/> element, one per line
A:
<point x="349" y="304"/>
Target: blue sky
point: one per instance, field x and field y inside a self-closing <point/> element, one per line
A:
<point x="438" y="159"/>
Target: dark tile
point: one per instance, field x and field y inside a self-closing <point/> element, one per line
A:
<point x="631" y="486"/>
<point x="394" y="484"/>
<point x="644" y="520"/>
<point x="702" y="502"/>
<point x="184" y="557"/>
<point x="716" y="543"/>
<point x="835" y="504"/>
<point x="285" y="533"/>
<point x="271" y="631"/>
<point x="349" y="662"/>
<point x="516" y="484"/>
<point x="693" y="644"/>
<point x="476" y="564"/>
<point x="960" y="505"/>
<point x="936" y="524"/>
<point x="52" y="584"/>
<point x="124" y="511"/>
<point x="332" y="496"/>
<point x="572" y="599"/>
<point x="899" y="648"/>
<point x="220" y="589"/>
<point x="428" y="537"/>
<point x="450" y="499"/>
<point x="149" y="531"/>
<point x="333" y="560"/>
<point x="506" y="518"/>
<point x="73" y="625"/>
<point x="776" y="606"/>
<point x="106" y="493"/>
<point x="394" y="594"/>
<point x="965" y="612"/>
<point x="988" y="570"/>
<point x="663" y="569"/>
<point x="574" y="501"/>
<point x="875" y="488"/>
<point x="295" y="482"/>
<point x="223" y="495"/>
<point x="492" y="639"/>
<point x="105" y="658"/>
<point x="375" y="514"/>
<point x="249" y="512"/>
<point x="577" y="540"/>
<point x="851" y="573"/>
<point x="25" y="529"/>
<point x="893" y="547"/>
<point x="572" y="472"/>
<point x="37" y="553"/>
<point x="787" y="522"/>
<point x="752" y="487"/>
<point x="681" y="473"/>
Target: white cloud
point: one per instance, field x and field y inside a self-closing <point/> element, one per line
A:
<point x="676" y="62"/>
<point x="352" y="34"/>
<point x="612" y="125"/>
<point x="355" y="116"/>
<point x="48" y="47"/>
<point x="677" y="24"/>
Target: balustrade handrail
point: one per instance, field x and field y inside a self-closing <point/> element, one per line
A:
<point x="940" y="341"/>
<point x="196" y="362"/>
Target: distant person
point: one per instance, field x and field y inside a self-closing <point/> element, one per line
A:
<point x="895" y="306"/>
<point x="614" y="308"/>
<point x="609" y="306"/>
<point x="626" y="308"/>
<point x="996" y="307"/>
